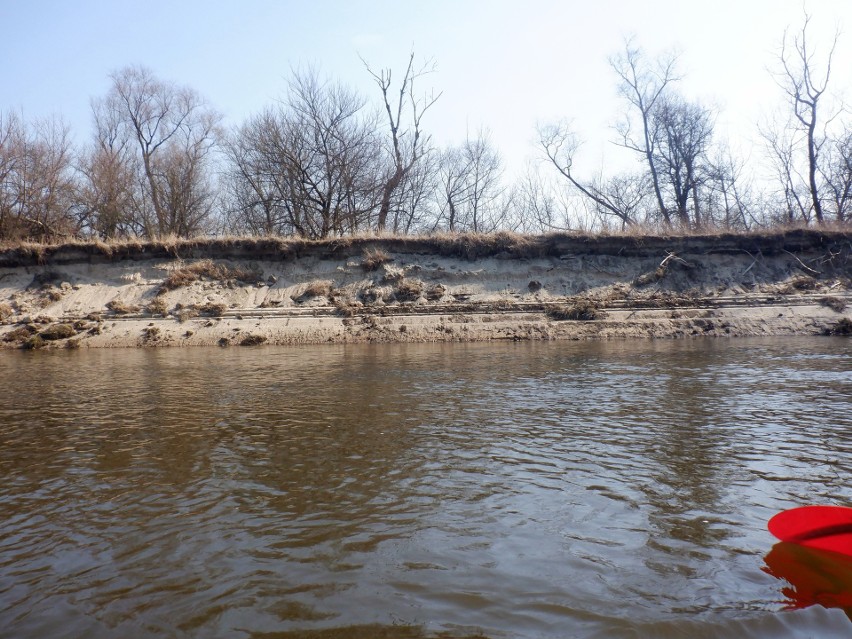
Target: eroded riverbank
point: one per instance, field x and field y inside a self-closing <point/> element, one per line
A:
<point x="451" y="288"/>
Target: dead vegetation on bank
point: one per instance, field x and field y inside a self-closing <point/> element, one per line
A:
<point x="369" y="280"/>
<point x="376" y="250"/>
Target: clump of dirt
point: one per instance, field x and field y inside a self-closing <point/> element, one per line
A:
<point x="834" y="303"/>
<point x="408" y="290"/>
<point x="843" y="327"/>
<point x="33" y="343"/>
<point x="435" y="292"/>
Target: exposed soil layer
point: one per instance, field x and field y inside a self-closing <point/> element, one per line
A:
<point x="443" y="288"/>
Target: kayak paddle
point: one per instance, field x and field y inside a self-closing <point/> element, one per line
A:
<point x="823" y="527"/>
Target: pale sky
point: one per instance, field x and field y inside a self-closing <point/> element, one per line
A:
<point x="502" y="65"/>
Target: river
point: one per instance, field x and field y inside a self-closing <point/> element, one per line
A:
<point x="509" y="490"/>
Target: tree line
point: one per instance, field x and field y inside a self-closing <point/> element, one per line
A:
<point x="326" y="161"/>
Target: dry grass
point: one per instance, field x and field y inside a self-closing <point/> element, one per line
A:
<point x="465" y="245"/>
<point x="212" y="309"/>
<point x="318" y="288"/>
<point x="34" y="342"/>
<point x="374" y="258"/>
<point x="205" y="269"/>
<point x="119" y="307"/>
<point x="6" y="311"/>
<point x="157" y="306"/>
<point x="583" y="311"/>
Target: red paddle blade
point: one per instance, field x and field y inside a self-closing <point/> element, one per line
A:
<point x="823" y="527"/>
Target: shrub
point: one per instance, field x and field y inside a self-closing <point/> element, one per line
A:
<point x="58" y="331"/>
<point x="5" y="311"/>
<point x="252" y="340"/>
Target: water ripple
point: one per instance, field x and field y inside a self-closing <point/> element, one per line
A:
<point x="520" y="490"/>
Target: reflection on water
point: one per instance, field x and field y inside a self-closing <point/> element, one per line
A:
<point x="812" y="577"/>
<point x="511" y="490"/>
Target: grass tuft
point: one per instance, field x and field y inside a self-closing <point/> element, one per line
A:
<point x="374" y="258"/>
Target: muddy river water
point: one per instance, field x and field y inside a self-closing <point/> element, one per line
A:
<point x="530" y="490"/>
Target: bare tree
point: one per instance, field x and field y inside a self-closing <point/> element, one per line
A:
<point x="682" y="132"/>
<point x="642" y="84"/>
<point x="560" y="145"/>
<point x="37" y="186"/>
<point x="728" y="192"/>
<point x="470" y="186"/>
<point x="805" y="85"/>
<point x="836" y="172"/>
<point x="255" y="182"/>
<point x="109" y="196"/>
<point x="310" y="166"/>
<point x="541" y="205"/>
<point x="406" y="141"/>
<point x="173" y="131"/>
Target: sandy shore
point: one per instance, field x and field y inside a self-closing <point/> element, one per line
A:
<point x="247" y="292"/>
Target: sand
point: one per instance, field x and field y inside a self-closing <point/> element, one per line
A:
<point x="402" y="291"/>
